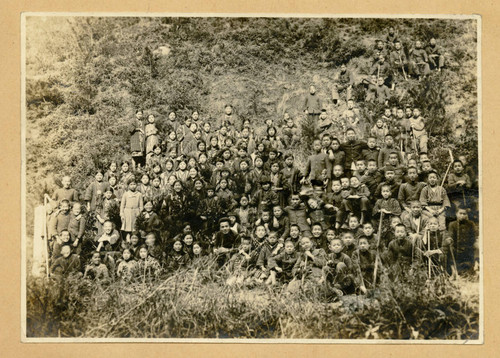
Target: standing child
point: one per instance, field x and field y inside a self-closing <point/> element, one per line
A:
<point x="95" y="191"/>
<point x="387" y="205"/>
<point x="297" y="215"/>
<point x="338" y="271"/>
<point x="435" y="200"/>
<point x="462" y="243"/>
<point x="152" y="139"/>
<point x="364" y="261"/>
<point x="131" y="206"/>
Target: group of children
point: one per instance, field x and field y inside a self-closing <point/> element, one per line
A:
<point x="228" y="195"/>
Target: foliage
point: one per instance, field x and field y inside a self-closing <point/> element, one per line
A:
<point x="193" y="304"/>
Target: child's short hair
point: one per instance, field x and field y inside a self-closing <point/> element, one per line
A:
<point x="368" y="223"/>
<point x="362" y="237"/>
<point x="289" y="155"/>
<point x="317" y="224"/>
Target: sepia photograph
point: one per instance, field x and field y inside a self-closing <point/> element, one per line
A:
<point x="251" y="178"/>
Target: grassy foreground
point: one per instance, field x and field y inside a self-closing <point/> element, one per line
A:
<point x="194" y="304"/>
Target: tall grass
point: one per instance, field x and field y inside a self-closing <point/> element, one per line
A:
<point x="195" y="304"/>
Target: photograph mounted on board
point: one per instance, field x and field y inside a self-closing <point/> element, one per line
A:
<point x="272" y="179"/>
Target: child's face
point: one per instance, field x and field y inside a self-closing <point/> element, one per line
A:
<point x="266" y="186"/>
<point x="277" y="212"/>
<point x="294" y="231"/>
<point x="345" y="183"/>
<point x="177" y="187"/>
<point x="112" y="181"/>
<point x="335" y="145"/>
<point x="289" y="248"/>
<point x="316" y="231"/>
<point x="338" y="171"/>
<point x="148" y="206"/>
<point x="458" y="168"/>
<point x="433" y="225"/>
<point x="243" y="166"/>
<point x="132" y="186"/>
<point x="177" y="246"/>
<point x="151" y="118"/>
<point x="193" y="173"/>
<point x="393" y="159"/>
<point x="182" y="165"/>
<point x="145" y="180"/>
<point x="65" y="207"/>
<point x="462" y="215"/>
<point x="266" y="216"/>
<point x="408" y="112"/>
<point x="330" y="235"/>
<point x="134" y="240"/>
<point x="143" y="253"/>
<point x="260" y="232"/>
<point x="228" y="110"/>
<point x="363" y="245"/>
<point x="65" y="236"/>
<point x="196" y="249"/>
<point x="157" y="150"/>
<point x="317" y="146"/>
<point x="371" y="143"/>
<point x="77" y="208"/>
<point x="171" y="116"/>
<point x="353" y="222"/>
<point x="348" y="239"/>
<point x="272" y="239"/>
<point x="65" y="251"/>
<point x="156" y="182"/>
<point x="223" y="184"/>
<point x="188" y="240"/>
<point x="326" y="141"/>
<point x="289" y="161"/>
<point x="219" y="165"/>
<point x="295" y="201"/>
<point x="432" y="179"/>
<point x="245" y="246"/>
<point x="244" y="201"/>
<point x="351" y="136"/>
<point x="274" y="168"/>
<point x="206" y="127"/>
<point x="150" y="240"/>
<point x="66" y="182"/>
<point x="400" y="232"/>
<point x="412" y="163"/>
<point x="306" y="244"/>
<point x="213" y="141"/>
<point x="107" y="194"/>
<point x="198" y="185"/>
<point x="354" y="182"/>
<point x="395" y="221"/>
<point x="399" y="113"/>
<point x="380" y="123"/>
<point x="335" y="246"/>
<point x="171" y="180"/>
<point x="259" y="163"/>
<point x="336" y="187"/>
<point x="386" y="193"/>
<point x="226" y="155"/>
<point x="416" y="113"/>
<point x="412" y="174"/>
<point x="426" y="166"/>
<point x="360" y="165"/>
<point x="313" y="204"/>
<point x="187" y="229"/>
<point x="98" y="177"/>
<point x="372" y="167"/>
<point x="96" y="259"/>
<point x="202" y="159"/>
<point x="389" y="175"/>
<point x="367" y="230"/>
<point x="232" y="219"/>
<point x="210" y="193"/>
<point x="416" y="209"/>
<point x="126" y="255"/>
<point x="224" y="227"/>
<point x="125" y="167"/>
<point x="389" y="141"/>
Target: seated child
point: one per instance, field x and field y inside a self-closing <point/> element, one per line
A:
<point x="177" y="258"/>
<point x="364" y="260"/>
<point x="96" y="270"/>
<point x="67" y="264"/>
<point x="147" y="266"/>
<point x="309" y="265"/>
<point x="338" y="270"/>
<point x="348" y="243"/>
<point x="241" y="265"/>
<point x="269" y="248"/>
<point x="127" y="266"/>
<point x="282" y="264"/>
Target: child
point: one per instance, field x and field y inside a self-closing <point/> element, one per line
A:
<point x="309" y="265"/>
<point x="67" y="264"/>
<point x="402" y="252"/>
<point x="60" y="220"/>
<point x="96" y="270"/>
<point x="387" y="205"/>
<point x="459" y="185"/>
<point x="281" y="265"/>
<point x="64" y="238"/>
<point x="242" y="264"/>
<point x="109" y="240"/>
<point x="182" y="172"/>
<point x="418" y="131"/>
<point x="270" y="248"/>
<point x="435" y="200"/>
<point x="348" y="243"/>
<point x="95" y="191"/>
<point x="316" y="164"/>
<point x="371" y="177"/>
<point x="297" y="215"/>
<point x="188" y="245"/>
<point x="364" y="261"/>
<point x="383" y="157"/>
<point x="147" y="266"/>
<point x="280" y="223"/>
<point x="295" y="236"/>
<point x="379" y="131"/>
<point x="176" y="257"/>
<point x="102" y="212"/>
<point x="356" y="201"/>
<point x="137" y="139"/>
<point x="144" y="186"/>
<point x="336" y="155"/>
<point x="390" y="180"/>
<point x="338" y="270"/>
<point x="152" y="139"/>
<point x="76" y="226"/>
<point x="318" y="236"/>
<point x="245" y="214"/>
<point x="333" y="203"/>
<point x="433" y="242"/>
<point x="127" y="266"/>
<point x="264" y="197"/>
<point x="154" y="249"/>
<point x="291" y="174"/>
<point x="131" y="206"/>
<point x="315" y="212"/>
<point x="410" y="191"/>
<point x="64" y="193"/>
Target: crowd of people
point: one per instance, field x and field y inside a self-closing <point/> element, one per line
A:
<point x="228" y="195"/>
